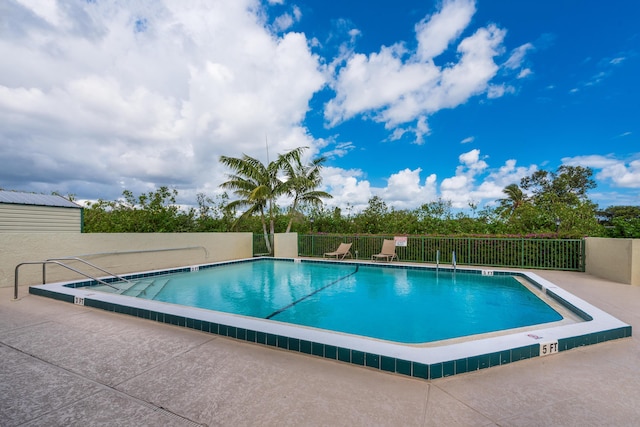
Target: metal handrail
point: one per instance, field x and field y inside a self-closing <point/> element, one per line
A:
<point x="142" y="251"/>
<point x="56" y="261"/>
<point x="85" y="262"/>
<point x="15" y="281"/>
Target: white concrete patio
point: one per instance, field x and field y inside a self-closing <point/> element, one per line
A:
<point x="64" y="365"/>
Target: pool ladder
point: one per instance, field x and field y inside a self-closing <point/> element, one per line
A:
<point x="58" y="261"/>
<point x="453" y="260"/>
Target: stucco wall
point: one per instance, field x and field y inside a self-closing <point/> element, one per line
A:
<point x="614" y="259"/>
<point x="176" y="249"/>
<point x="285" y="245"/>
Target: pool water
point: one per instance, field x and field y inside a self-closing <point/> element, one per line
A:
<point x="396" y="304"/>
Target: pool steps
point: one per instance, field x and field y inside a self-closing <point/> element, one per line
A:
<point x="144" y="288"/>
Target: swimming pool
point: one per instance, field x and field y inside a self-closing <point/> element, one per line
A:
<point x="396" y="304"/>
<point x="432" y="358"/>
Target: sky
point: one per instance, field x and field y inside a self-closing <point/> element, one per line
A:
<point x="411" y="101"/>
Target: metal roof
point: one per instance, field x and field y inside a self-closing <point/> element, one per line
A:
<point x="18" y="198"/>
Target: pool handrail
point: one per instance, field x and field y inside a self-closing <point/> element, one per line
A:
<point x="57" y="261"/>
<point x="142" y="251"/>
<point x="52" y="261"/>
<point x="75" y="258"/>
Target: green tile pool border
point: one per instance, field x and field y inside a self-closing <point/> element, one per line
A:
<point x="341" y="354"/>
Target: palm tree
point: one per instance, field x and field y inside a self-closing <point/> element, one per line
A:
<point x="515" y="199"/>
<point x="302" y="183"/>
<point x="258" y="186"/>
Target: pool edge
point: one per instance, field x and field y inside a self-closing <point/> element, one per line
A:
<point x="422" y="363"/>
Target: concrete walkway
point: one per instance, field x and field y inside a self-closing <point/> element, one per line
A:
<point x="66" y="365"/>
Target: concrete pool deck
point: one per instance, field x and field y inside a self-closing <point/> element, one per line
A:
<point x="63" y="364"/>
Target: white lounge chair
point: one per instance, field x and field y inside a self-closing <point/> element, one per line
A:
<point x="388" y="252"/>
<point x="343" y="250"/>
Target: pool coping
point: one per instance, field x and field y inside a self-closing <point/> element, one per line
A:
<point x="430" y="362"/>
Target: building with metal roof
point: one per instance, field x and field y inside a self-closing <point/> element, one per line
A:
<point x="30" y="212"/>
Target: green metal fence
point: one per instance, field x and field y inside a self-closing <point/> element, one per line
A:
<point x="259" y="245"/>
<point x="549" y="254"/>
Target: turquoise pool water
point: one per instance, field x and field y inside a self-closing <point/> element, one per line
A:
<point x="396" y="304"/>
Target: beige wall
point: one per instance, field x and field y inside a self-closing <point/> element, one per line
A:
<point x="194" y="248"/>
<point x="614" y="259"/>
<point x="285" y="245"/>
<point x="16" y="218"/>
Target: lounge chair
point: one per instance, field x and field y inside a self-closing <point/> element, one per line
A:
<point x="343" y="250"/>
<point x="388" y="252"/>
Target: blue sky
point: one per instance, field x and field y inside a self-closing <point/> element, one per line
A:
<point x="410" y="101"/>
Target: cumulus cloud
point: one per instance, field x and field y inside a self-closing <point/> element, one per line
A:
<point x="474" y="182"/>
<point x="407" y="191"/>
<point x="490" y="189"/>
<point x="458" y="188"/>
<point x="436" y="32"/>
<point x="99" y="97"/>
<point x="287" y="20"/>
<point x="137" y="95"/>
<point x="395" y="86"/>
<point x="622" y="173"/>
<point x="346" y="188"/>
<point x="472" y="160"/>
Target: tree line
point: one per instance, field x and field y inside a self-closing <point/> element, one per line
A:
<point x="544" y="204"/>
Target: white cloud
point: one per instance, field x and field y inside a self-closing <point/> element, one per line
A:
<point x="422" y="129"/>
<point x="471" y="159"/>
<point x="339" y="149"/>
<point x="458" y="188"/>
<point x="406" y="191"/>
<point x="103" y="97"/>
<point x="397" y="134"/>
<point x="396" y="87"/>
<point x="593" y="161"/>
<point x="100" y="96"/>
<point x="525" y="72"/>
<point x="286" y="20"/>
<point x="436" y="32"/>
<point x="346" y="189"/>
<point x="283" y="22"/>
<point x="491" y="188"/>
<point x="621" y="173"/>
<point x="606" y="67"/>
<point x="517" y="56"/>
<point x="467" y="140"/>
<point x="45" y="9"/>
<point x="473" y="182"/>
<point x="376" y="81"/>
<point x="497" y="91"/>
